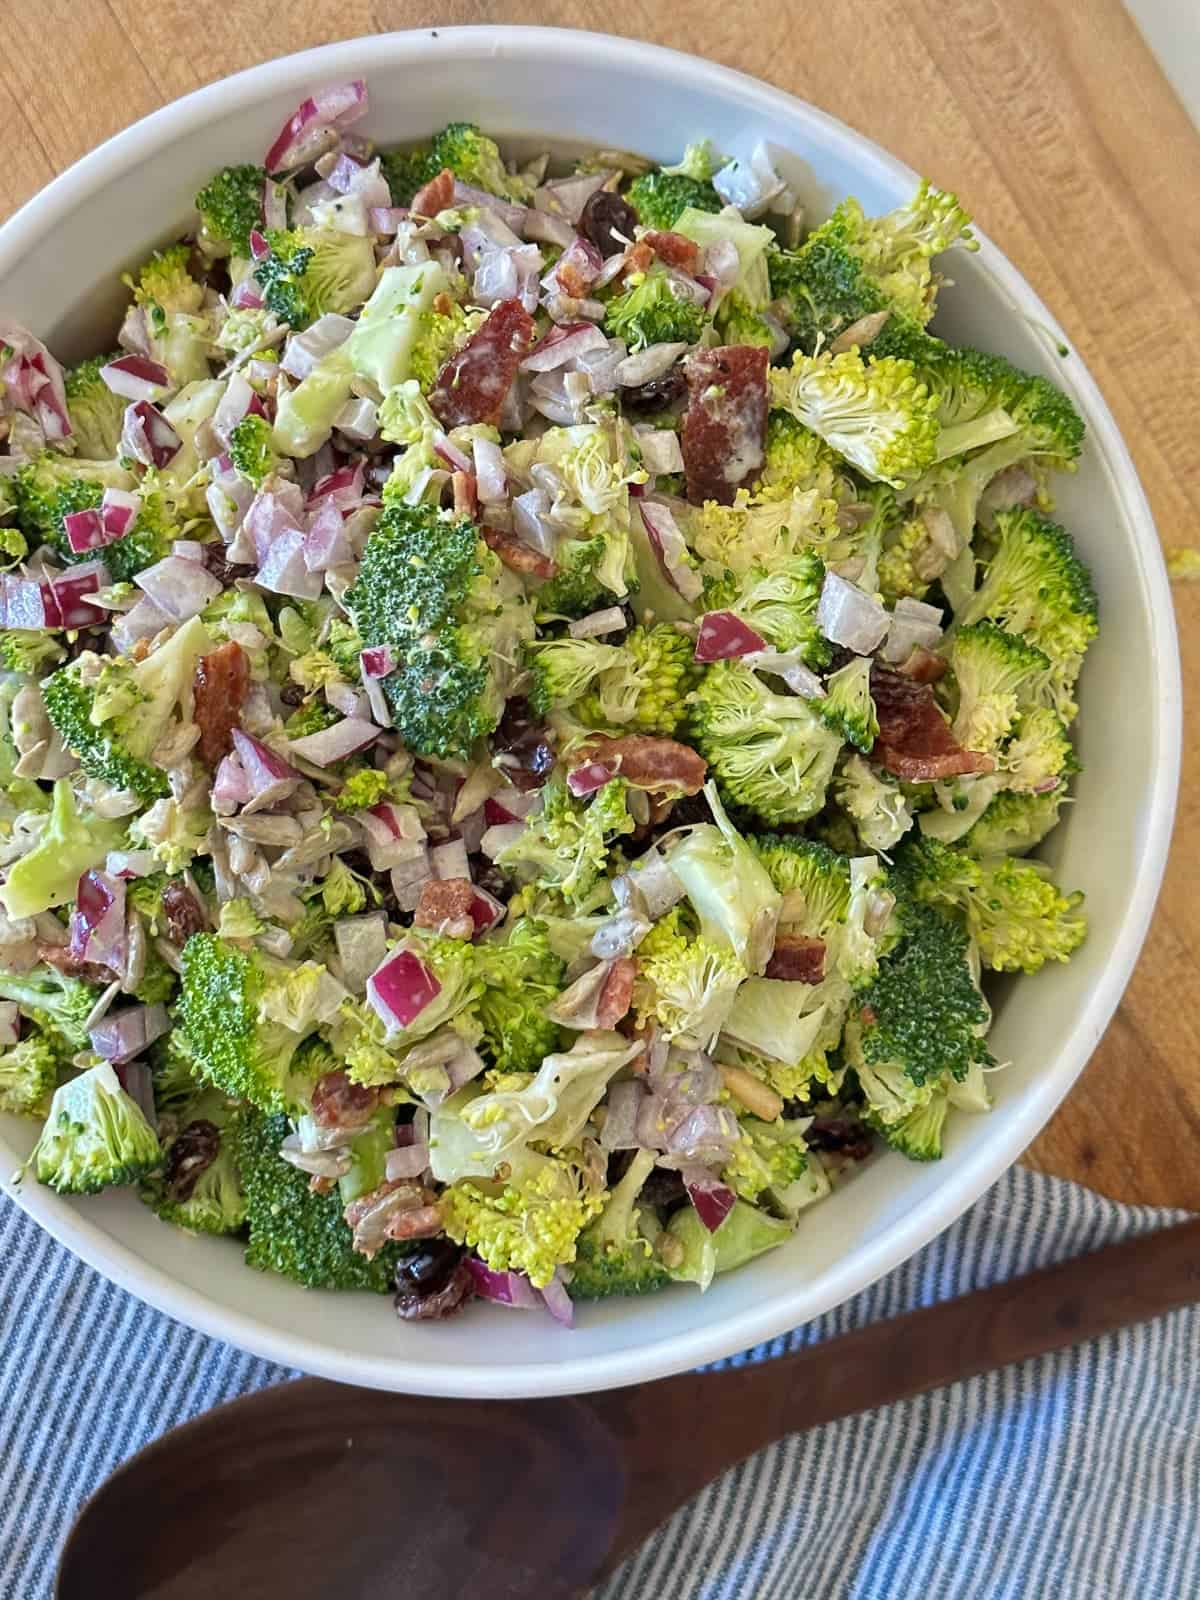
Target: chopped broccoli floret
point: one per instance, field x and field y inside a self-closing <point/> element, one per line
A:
<point x="407" y="171"/>
<point x="430" y="588"/>
<point x="251" y="449"/>
<point x="522" y="975"/>
<point x="577" y="587"/>
<point x="686" y="981"/>
<point x="528" y="1224"/>
<point x="294" y="1231"/>
<point x="474" y="158"/>
<point x="68" y="845"/>
<point x="918" y="1135"/>
<point x="995" y="675"/>
<point x="770" y="752"/>
<point x="314" y="270"/>
<point x="564" y="846"/>
<point x="1039" y="755"/>
<point x="97" y="414"/>
<point x="172" y="301"/>
<point x="231" y="207"/>
<point x="874" y="413"/>
<point x="848" y="707"/>
<point x="640" y="684"/>
<point x="112" y="712"/>
<point x="660" y="197"/>
<point x="244" y="1016"/>
<point x="874" y="802"/>
<point x="58" y="1005"/>
<point x="198" y="1187"/>
<point x="779" y="601"/>
<point x="759" y="531"/>
<point x="767" y="1156"/>
<point x="745" y="1233"/>
<point x="1013" y="911"/>
<point x="28" y="1074"/>
<point x="651" y="311"/>
<point x="1014" y="824"/>
<point x="51" y="486"/>
<point x="95" y="1136"/>
<point x="615" y="1253"/>
<point x="23" y="650"/>
<point x="739" y="322"/>
<point x="562" y="669"/>
<point x="796" y="458"/>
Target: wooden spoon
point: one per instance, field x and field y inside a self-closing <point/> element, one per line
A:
<point x="319" y="1492"/>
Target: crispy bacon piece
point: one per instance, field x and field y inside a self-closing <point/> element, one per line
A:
<point x="219" y="688"/>
<point x="797" y="958"/>
<point x="434" y="196"/>
<point x="647" y="762"/>
<point x="915" y="742"/>
<point x="725" y="423"/>
<point x="472" y="386"/>
<point x="617" y="994"/>
<point x="639" y="257"/>
<point x="445" y="904"/>
<point x="518" y="555"/>
<point x="923" y="666"/>
<point x="673" y="250"/>
<point x="60" y="958"/>
<point x="571" y="281"/>
<point x="397" y="1209"/>
<point x="338" y="1103"/>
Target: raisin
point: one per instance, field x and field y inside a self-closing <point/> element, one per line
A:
<point x="608" y="221"/>
<point x="415" y="1306"/>
<point x="429" y="1267"/>
<point x="844" y="1136"/>
<point x="191" y="1154"/>
<point x="183" y="913"/>
<point x="292" y="694"/>
<point x="526" y="741"/>
<point x="664" y="393"/>
<point x="222" y="569"/>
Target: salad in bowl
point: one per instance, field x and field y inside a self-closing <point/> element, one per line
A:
<point x="527" y="698"/>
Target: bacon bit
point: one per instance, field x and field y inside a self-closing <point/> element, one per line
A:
<point x="648" y="763"/>
<point x="639" y="257"/>
<point x="445" y="905"/>
<point x="422" y="1223"/>
<point x="725" y="424"/>
<point x="338" y="1103"/>
<point x="517" y="555"/>
<point x="617" y="994"/>
<point x="923" y="666"/>
<point x="60" y="958"/>
<point x="466" y="501"/>
<point x="474" y="383"/>
<point x="797" y="958"/>
<point x="674" y="250"/>
<point x="434" y="196"/>
<point x="319" y="1185"/>
<point x="571" y="281"/>
<point x="442" y="304"/>
<point x="219" y="688"/>
<point x="915" y="742"/>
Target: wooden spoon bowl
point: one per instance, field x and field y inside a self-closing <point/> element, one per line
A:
<point x="322" y="1492"/>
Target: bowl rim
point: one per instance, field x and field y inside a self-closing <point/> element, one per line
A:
<point x="117" y="158"/>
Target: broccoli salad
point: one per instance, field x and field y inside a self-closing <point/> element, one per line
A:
<point x="527" y="697"/>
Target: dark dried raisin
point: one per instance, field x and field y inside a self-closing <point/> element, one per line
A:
<point x="526" y="742"/>
<point x="191" y="1154"/>
<point x="428" y="1268"/>
<point x="664" y="393"/>
<point x="224" y="570"/>
<point x="608" y="221"/>
<point x="183" y="913"/>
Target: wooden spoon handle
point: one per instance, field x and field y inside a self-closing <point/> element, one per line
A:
<point x="891" y="1360"/>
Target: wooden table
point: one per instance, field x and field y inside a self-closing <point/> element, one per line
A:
<point x="1049" y="116"/>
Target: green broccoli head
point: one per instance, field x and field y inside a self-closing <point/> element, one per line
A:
<point x="97" y="414"/>
<point x="57" y="1004"/>
<point x="70" y="842"/>
<point x="431" y="589"/>
<point x="294" y="1231"/>
<point x="660" y="197"/>
<point x="95" y="1136"/>
<point x="198" y="1187"/>
<point x="767" y="1156"/>
<point x="528" y="1224"/>
<point x="1039" y="757"/>
<point x="28" y="1074"/>
<point x="995" y="675"/>
<point x="874" y="802"/>
<point x="1014" y="824"/>
<point x="1012" y="909"/>
<point x="522" y="976"/>
<point x="918" y="1135"/>
<point x="564" y="846"/>
<point x="740" y="323"/>
<point x="251" y="449"/>
<point x="771" y="753"/>
<point x="560" y="670"/>
<point x="576" y="587"/>
<point x="650" y="312"/>
<point x="173" y="301"/>
<point x="407" y="171"/>
<point x="615" y="1253"/>
<point x="244" y="1016"/>
<point x="686" y="980"/>
<point x="814" y="879"/>
<point x="475" y="158"/>
<point x="23" y="650"/>
<point x="51" y="486"/>
<point x="314" y="270"/>
<point x="779" y="601"/>
<point x="230" y="207"/>
<point x="797" y="459"/>
<point x="876" y="414"/>
<point x="848" y="708"/>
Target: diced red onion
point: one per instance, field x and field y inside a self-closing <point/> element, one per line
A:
<point x="558" y="1301"/>
<point x="580" y="264"/>
<point x="450" y="453"/>
<point x="268" y="777"/>
<point x="142" y="621"/>
<point x="34" y="381"/>
<point x="510" y="213"/>
<point x="588" y="778"/>
<point x="394" y="836"/>
<point x="450" y="860"/>
<point x="611" y="620"/>
<point x="68" y="594"/>
<point x="10" y="1023"/>
<point x="344" y="485"/>
<point x="385" y="220"/>
<point x="188" y="549"/>
<point x="332" y="744"/>
<point x="304" y="350"/>
<point x="126" y="1033"/>
<point x="722" y="263"/>
<point x="561" y="345"/>
<point x="344" y="697"/>
<point x="486" y="910"/>
<point x="326" y="543"/>
<point x="749" y="185"/>
<point x="283" y="570"/>
<point x="408" y="878"/>
<point x="377" y="662"/>
<point x="85" y="530"/>
<point x="670" y="548"/>
<point x="339" y="170"/>
<point x="656" y="883"/>
<point x="118" y="509"/>
<point x="508" y="805"/>
<point x="259" y="248"/>
<point x="147" y="436"/>
<point x="98" y="920"/>
<point x="723" y="635"/>
<point x="358" y="420"/>
<point x="791" y="667"/>
<point x="613" y="265"/>
<point x="231" y="787"/>
<point x="848" y="616"/>
<point x="136" y="378"/>
<point x="406" y="1163"/>
<point x="233" y="406"/>
<point x="531" y="521"/>
<point x="504" y="1288"/>
<point x="130" y="863"/>
<point x="545" y="229"/>
<point x="648" y="364"/>
<point x="274" y="513"/>
<point x="274" y="204"/>
<point x="566" y="197"/>
<point x="401" y="988"/>
<point x="660" y="449"/>
<point x="244" y="296"/>
<point x="307" y="131"/>
<point x="180" y="588"/>
<point x="711" y="1199"/>
<point x="707" y="1135"/>
<point x="601" y="367"/>
<point x="508" y="273"/>
<point x="913" y="624"/>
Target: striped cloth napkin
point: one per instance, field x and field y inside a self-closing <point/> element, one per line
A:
<point x="1076" y="1475"/>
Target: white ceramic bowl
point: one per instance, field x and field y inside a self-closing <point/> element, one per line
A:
<point x="134" y="193"/>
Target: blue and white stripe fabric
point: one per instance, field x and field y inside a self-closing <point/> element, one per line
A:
<point x="1075" y="1476"/>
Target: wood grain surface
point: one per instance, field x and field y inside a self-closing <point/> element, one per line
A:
<point x="1049" y="116"/>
